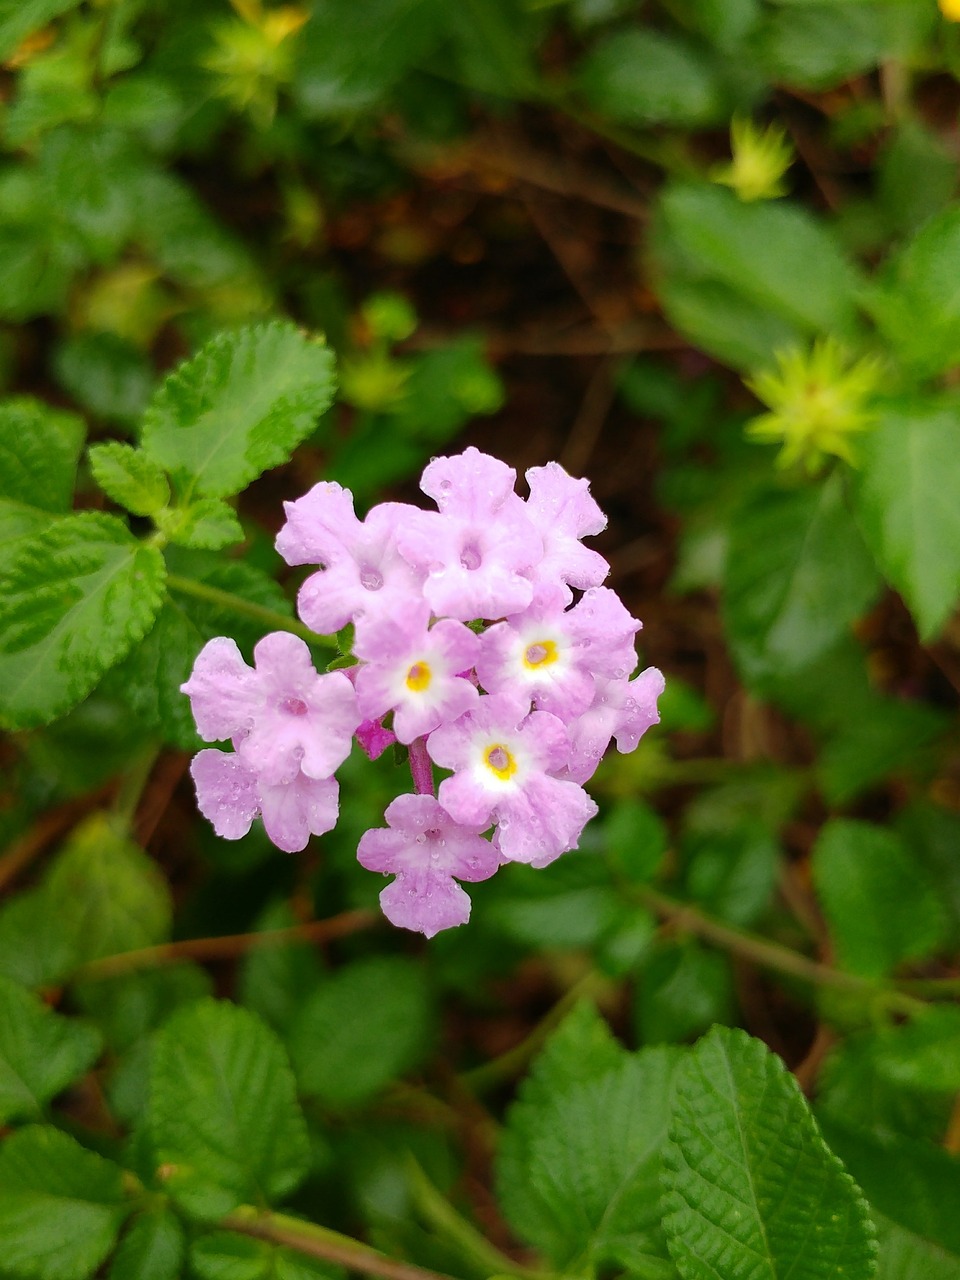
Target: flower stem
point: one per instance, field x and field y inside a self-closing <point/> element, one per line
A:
<point x="421" y="767"/>
<point x="322" y="1242"/>
<point x="771" y="955"/>
<point x="247" y="608"/>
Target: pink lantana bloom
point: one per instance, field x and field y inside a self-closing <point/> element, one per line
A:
<point x="415" y="672"/>
<point x="230" y="796"/>
<point x="623" y="710"/>
<point x="550" y="655"/>
<point x="283" y="716"/>
<point x="477" y="551"/>
<point x="563" y="512"/>
<point x="363" y="574"/>
<point x="504" y="762"/>
<point x="427" y="852"/>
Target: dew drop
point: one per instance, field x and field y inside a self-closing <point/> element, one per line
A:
<point x="470" y="557"/>
<point x="421" y="838"/>
<point x="371" y="579"/>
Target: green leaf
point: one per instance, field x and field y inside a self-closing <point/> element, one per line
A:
<point x="224" y="1255"/>
<point x="642" y="77"/>
<point x="916" y="303"/>
<point x="104" y="894"/>
<point x="39" y="450"/>
<point x="129" y="477"/>
<point x="105" y="374"/>
<point x="916" y="1187"/>
<point x="798" y="576"/>
<point x="769" y="269"/>
<point x="579" y="1163"/>
<point x="907" y="504"/>
<point x="149" y="679"/>
<point x="19" y="18"/>
<point x="276" y="980"/>
<point x="923" y="1053"/>
<point x="73" y="601"/>
<point x="86" y="177"/>
<point x="879" y="907"/>
<point x="152" y="1248"/>
<point x="238" y="407"/>
<point x="60" y="1207"/>
<point x="207" y="524"/>
<point x="750" y="1187"/>
<point x="129" y="1006"/>
<point x="351" y="55"/>
<point x="41" y="1052"/>
<point x="820" y="45"/>
<point x="916" y="176"/>
<point x="682" y="989"/>
<point x="368" y="1024"/>
<point x="223" y="1112"/>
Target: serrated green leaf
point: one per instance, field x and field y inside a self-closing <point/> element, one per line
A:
<point x="41" y="1052"/>
<point x="224" y="1255"/>
<point x="643" y="77"/>
<point x="33" y="951"/>
<point x="369" y="1023"/>
<point x="152" y="1248"/>
<point x="85" y="174"/>
<point x="906" y="499"/>
<point x="207" y="524"/>
<point x="105" y="374"/>
<point x="149" y="680"/>
<point x="60" y="1207"/>
<point x="915" y="1186"/>
<point x="750" y="1186"/>
<point x="578" y="1168"/>
<point x="73" y="601"/>
<point x="129" y="477"/>
<point x="798" y="575"/>
<point x="39" y="450"/>
<point x="241" y="405"/>
<point x="878" y="905"/>
<point x="18" y="18"/>
<point x="223" y="1113"/>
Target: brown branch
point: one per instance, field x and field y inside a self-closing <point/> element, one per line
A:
<point x="229" y="946"/>
<point x="49" y="827"/>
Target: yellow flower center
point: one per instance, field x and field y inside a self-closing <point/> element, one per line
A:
<point x="418" y="677"/>
<point x="540" y="654"/>
<point x="500" y="761"/>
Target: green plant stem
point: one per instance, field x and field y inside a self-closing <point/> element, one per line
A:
<point x="322" y="1242"/>
<point x="258" y="612"/>
<point x="511" y="1063"/>
<point x="456" y="1230"/>
<point x="771" y="955"/>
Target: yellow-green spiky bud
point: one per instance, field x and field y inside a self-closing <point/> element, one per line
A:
<point x="760" y="158"/>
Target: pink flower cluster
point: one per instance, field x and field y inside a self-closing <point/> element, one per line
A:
<point x="484" y="642"/>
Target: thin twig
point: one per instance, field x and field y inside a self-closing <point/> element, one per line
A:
<point x="588" y="424"/>
<point x="45" y="830"/>
<point x="229" y="946"/>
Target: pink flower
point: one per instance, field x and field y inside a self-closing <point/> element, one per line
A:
<point x="363" y="573"/>
<point x="427" y="852"/>
<point x="231" y="795"/>
<point x="549" y="655"/>
<point x="478" y="549"/>
<point x="622" y="709"/>
<point x="504" y="762"/>
<point x="283" y="716"/>
<point x="563" y="512"/>
<point x="374" y="738"/>
<point x="415" y="672"/>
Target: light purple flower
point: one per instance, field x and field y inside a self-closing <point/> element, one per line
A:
<point x="427" y="852"/>
<point x="563" y="512"/>
<point x="549" y="654"/>
<point x="374" y="738"/>
<point x="476" y="552"/>
<point x="622" y="709"/>
<point x="504" y="761"/>
<point x="415" y="672"/>
<point x="363" y="574"/>
<point x="231" y="795"/>
<point x="283" y="716"/>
